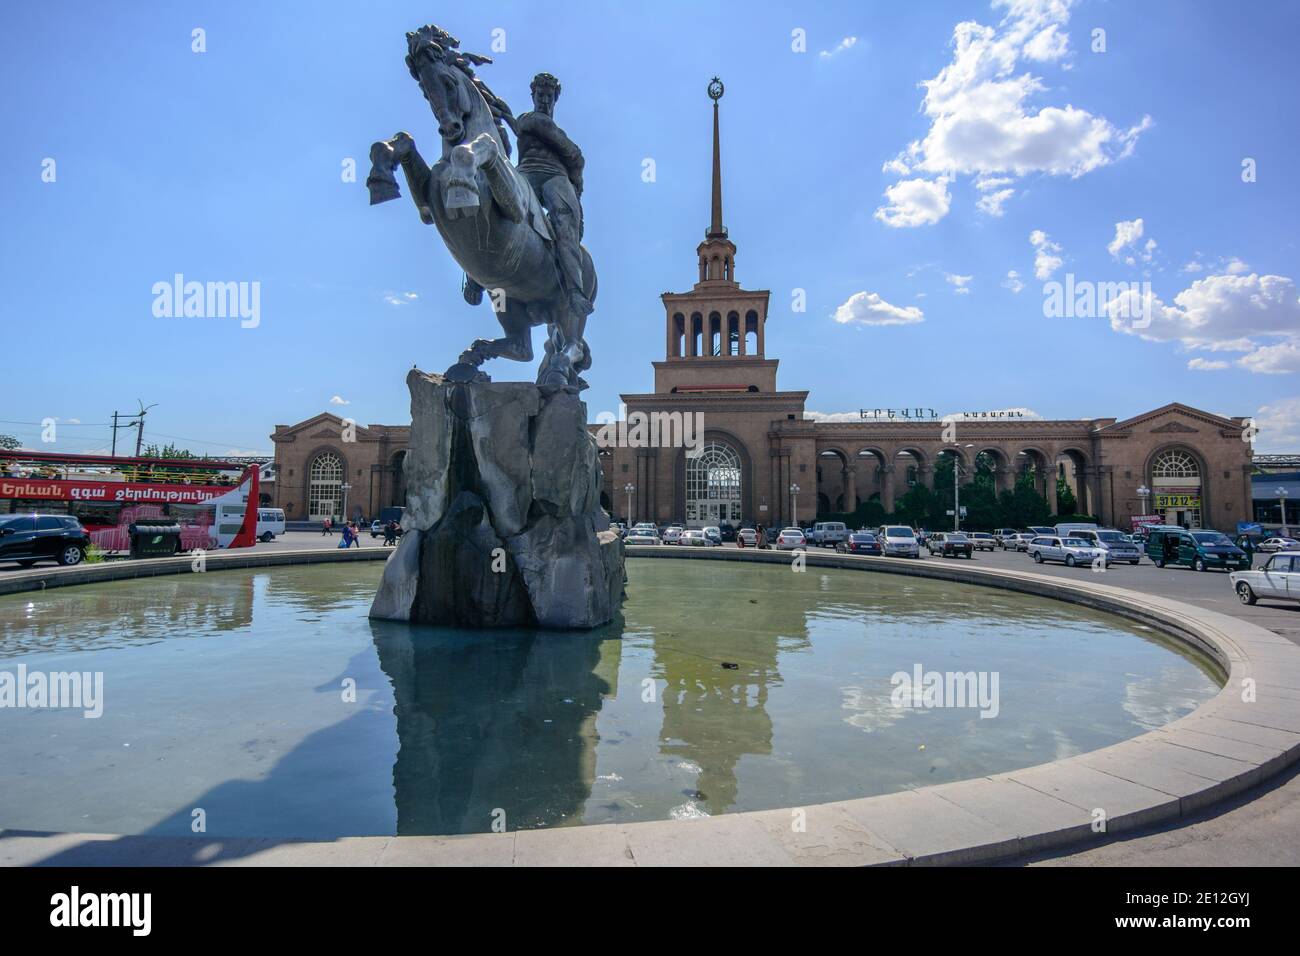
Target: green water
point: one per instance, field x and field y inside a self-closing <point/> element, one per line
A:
<point x="724" y="687"/>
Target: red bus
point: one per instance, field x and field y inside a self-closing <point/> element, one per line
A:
<point x="107" y="493"/>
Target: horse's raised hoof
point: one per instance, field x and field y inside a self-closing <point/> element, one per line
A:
<point x="382" y="189"/>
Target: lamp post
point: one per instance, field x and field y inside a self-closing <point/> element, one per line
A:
<point x="1145" y="494"/>
<point x="1282" y="493"/>
<point x="794" y="515"/>
<point x="629" y="488"/>
<point x="956" y="494"/>
<point x="345" y="488"/>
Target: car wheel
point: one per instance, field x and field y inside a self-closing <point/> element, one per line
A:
<point x="1159" y="563"/>
<point x="1038" y="557"/>
<point x="1246" y="594"/>
<point x="1198" y="565"/>
<point x="1069" y="560"/>
<point x="266" y="536"/>
<point x="70" y="555"/>
<point x="1134" y="563"/>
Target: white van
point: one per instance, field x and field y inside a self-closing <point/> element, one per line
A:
<point x="1067" y="530"/>
<point x="828" y="534"/>
<point x="270" y="523"/>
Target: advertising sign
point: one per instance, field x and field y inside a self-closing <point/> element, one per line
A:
<point x="109" y="492"/>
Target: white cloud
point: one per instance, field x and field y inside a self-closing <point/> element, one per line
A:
<point x="868" y="308"/>
<point x="1254" y="314"/>
<point x="339" y="400"/>
<point x="982" y="121"/>
<point x="848" y="43"/>
<point x="1235" y="267"/>
<point x="960" y="283"/>
<point x="1127" y="233"/>
<point x="1193" y="267"/>
<point x="1012" y="414"/>
<point x="1205" y="365"/>
<point x="833" y="416"/>
<point x="1279" y="427"/>
<point x="915" y="202"/>
<point x="1046" y="254"/>
<point x="1012" y="282"/>
<point x="400" y="298"/>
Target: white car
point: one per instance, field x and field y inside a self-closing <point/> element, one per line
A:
<point x="672" y="536"/>
<point x="1278" y="544"/>
<point x="641" y="537"/>
<point x="791" y="539"/>
<point x="1017" y="542"/>
<point x="983" y="541"/>
<point x="694" y="538"/>
<point x="1073" y="551"/>
<point x="747" y="538"/>
<point x="828" y="534"/>
<point x="899" y="541"/>
<point x="1278" y="579"/>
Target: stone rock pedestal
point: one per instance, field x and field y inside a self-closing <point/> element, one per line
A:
<point x="503" y="524"/>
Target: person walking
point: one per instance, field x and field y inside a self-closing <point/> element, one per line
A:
<point x="345" y="541"/>
<point x="326" y="528"/>
<point x="356" y="535"/>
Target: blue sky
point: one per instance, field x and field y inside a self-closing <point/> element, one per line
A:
<point x="225" y="166"/>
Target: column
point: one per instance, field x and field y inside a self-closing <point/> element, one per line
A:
<point x="887" y="487"/>
<point x="850" y="489"/>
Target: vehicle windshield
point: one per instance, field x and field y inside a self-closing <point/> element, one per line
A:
<point x="791" y="531"/>
<point x="1113" y="536"/>
<point x="955" y="536"/>
<point x="863" y="537"/>
<point x="1211" y="537"/>
<point x="1075" y="543"/>
<point x="898" y="533"/>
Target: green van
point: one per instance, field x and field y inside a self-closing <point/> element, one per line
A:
<point x="1198" y="550"/>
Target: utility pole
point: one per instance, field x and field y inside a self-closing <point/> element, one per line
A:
<point x="139" y="434"/>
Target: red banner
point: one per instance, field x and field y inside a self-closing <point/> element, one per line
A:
<point x="110" y="492"/>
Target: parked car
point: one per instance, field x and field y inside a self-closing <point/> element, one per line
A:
<point x="1198" y="550"/>
<point x="860" y="542"/>
<point x="727" y="530"/>
<point x="1118" y="545"/>
<point x="694" y="538"/>
<point x="29" y="538"/>
<point x="983" y="541"/>
<point x="828" y="534"/>
<point x="790" y="539"/>
<point x="641" y="536"/>
<point x="645" y="527"/>
<point x="1068" y="530"/>
<point x="1278" y="544"/>
<point x="747" y="538"/>
<point x="899" y="540"/>
<point x="950" y="544"/>
<point x="1018" y="541"/>
<point x="1072" y="551"/>
<point x="1001" y="535"/>
<point x="672" y="535"/>
<point x="1279" y="579"/>
<point x="1038" y="530"/>
<point x="714" y="536"/>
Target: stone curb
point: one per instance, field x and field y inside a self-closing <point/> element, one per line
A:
<point x="39" y="579"/>
<point x="1225" y="746"/>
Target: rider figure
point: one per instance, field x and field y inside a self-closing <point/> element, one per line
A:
<point x="553" y="165"/>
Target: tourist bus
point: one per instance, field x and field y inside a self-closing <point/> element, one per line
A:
<point x="106" y="493"/>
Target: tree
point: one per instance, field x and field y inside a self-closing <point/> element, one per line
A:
<point x="167" y="451"/>
<point x="1065" y="503"/>
<point x="9" y="442"/>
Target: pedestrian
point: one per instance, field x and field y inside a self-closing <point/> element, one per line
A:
<point x="1248" y="545"/>
<point x="356" y="535"/>
<point x="345" y="540"/>
<point x="390" y="534"/>
<point x="326" y="528"/>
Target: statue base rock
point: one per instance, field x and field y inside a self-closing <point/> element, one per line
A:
<point x="503" y="523"/>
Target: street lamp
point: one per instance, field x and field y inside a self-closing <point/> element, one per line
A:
<point x="1282" y="493"/>
<point x="345" y="488"/>
<point x="629" y="488"/>
<point x="794" y="515"/>
<point x="956" y="494"/>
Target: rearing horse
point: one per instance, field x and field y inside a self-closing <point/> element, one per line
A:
<point x="488" y="215"/>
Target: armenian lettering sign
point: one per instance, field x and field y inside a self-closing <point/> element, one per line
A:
<point x="1178" y="501"/>
<point x="109" y="492"/>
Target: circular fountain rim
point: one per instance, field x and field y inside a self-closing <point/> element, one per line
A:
<point x="1227" y="745"/>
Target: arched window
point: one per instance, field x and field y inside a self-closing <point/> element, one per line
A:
<point x="324" y="490"/>
<point x="713" y="485"/>
<point x="1175" y="464"/>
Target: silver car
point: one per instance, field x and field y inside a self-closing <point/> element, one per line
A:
<point x="1072" y="551"/>
<point x="1279" y="579"/>
<point x="898" y="541"/>
<point x="983" y="541"/>
<point x="1017" y="542"/>
<point x="1118" y="545"/>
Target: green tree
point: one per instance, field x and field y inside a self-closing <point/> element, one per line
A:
<point x="1065" y="503"/>
<point x="167" y="451"/>
<point x="9" y="442"/>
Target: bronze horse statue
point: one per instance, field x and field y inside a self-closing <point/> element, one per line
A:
<point x="488" y="215"/>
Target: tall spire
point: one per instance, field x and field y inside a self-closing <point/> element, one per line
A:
<point x="716" y="229"/>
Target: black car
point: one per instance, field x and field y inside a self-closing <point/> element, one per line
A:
<point x="860" y="542"/>
<point x="33" y="537"/>
<point x="728" y="530"/>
